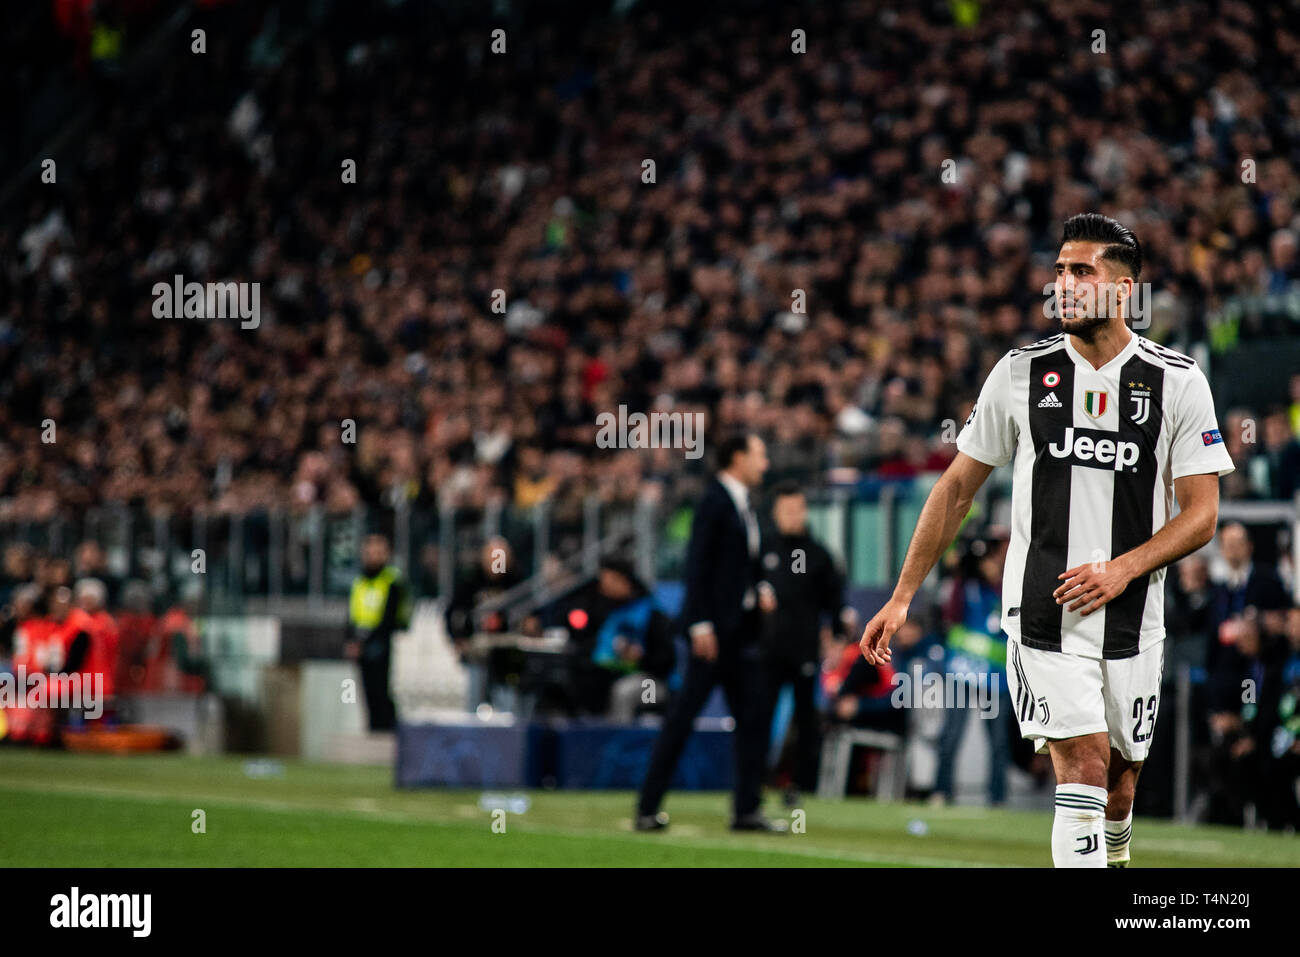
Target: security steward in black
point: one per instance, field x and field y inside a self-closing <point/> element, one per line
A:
<point x="809" y="591"/>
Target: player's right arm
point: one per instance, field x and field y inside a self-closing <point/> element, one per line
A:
<point x="987" y="441"/>
<point x="946" y="506"/>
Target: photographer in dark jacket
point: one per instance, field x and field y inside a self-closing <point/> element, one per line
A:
<point x="808" y="589"/>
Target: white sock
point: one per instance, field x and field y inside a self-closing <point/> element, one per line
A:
<point x="1118" y="834"/>
<point x="1079" y="826"/>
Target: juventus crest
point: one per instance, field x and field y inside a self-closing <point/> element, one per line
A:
<point x="1140" y="396"/>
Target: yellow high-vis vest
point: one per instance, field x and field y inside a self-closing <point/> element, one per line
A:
<point x="370" y="596"/>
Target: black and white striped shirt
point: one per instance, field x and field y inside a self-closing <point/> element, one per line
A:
<point x="1096" y="452"/>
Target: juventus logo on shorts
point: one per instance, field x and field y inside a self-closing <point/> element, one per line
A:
<point x="1090" y="844"/>
<point x="1046" y="715"/>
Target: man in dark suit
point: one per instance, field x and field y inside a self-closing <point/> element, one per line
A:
<point x="1246" y="583"/>
<point x="721" y="612"/>
<point x="1281" y="456"/>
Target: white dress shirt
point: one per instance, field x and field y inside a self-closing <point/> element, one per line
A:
<point x="740" y="498"/>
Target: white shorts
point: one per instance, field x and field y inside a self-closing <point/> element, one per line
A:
<point x="1059" y="695"/>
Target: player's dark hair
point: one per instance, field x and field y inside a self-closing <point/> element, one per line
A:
<point x="786" y="487"/>
<point x="1121" y="245"/>
<point x="733" y="444"/>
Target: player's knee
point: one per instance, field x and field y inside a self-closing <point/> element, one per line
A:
<point x="1082" y="761"/>
<point x="1084" y="769"/>
<point x="1082" y="766"/>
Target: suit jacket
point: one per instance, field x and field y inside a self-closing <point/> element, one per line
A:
<point x="1262" y="588"/>
<point x="719" y="570"/>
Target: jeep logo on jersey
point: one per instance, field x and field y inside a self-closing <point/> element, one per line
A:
<point x="1096" y="450"/>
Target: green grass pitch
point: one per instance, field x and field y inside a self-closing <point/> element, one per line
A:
<point x="73" y="810"/>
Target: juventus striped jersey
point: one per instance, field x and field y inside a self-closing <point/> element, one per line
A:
<point x="1096" y="452"/>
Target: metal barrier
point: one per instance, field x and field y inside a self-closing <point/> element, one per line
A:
<point x="313" y="554"/>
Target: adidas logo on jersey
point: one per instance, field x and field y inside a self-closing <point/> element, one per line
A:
<point x="1050" y="401"/>
<point x="1095" y="450"/>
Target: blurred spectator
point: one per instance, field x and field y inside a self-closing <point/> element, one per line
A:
<point x="977" y="651"/>
<point x="1244" y="585"/>
<point x="138" y="639"/>
<point x="1284" y="782"/>
<point x="91" y="637"/>
<point x="180" y="655"/>
<point x="89" y="561"/>
<point x="859" y="693"/>
<point x="22" y="606"/>
<point x="621" y="640"/>
<point x="1190" y="614"/>
<point x="37" y="650"/>
<point x="53" y="572"/>
<point x="494" y="575"/>
<point x="1244" y="713"/>
<point x="1293" y="410"/>
<point x="533" y="482"/>
<point x="18" y="568"/>
<point x="1279" y="471"/>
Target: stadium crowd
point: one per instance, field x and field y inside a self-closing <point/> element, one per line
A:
<point x="774" y="172"/>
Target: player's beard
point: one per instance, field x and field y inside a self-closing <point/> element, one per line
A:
<point x="1085" y="329"/>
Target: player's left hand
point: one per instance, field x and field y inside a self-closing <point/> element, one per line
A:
<point x="1092" y="585"/>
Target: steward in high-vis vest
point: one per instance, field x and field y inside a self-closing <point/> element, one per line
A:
<point x="380" y="604"/>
